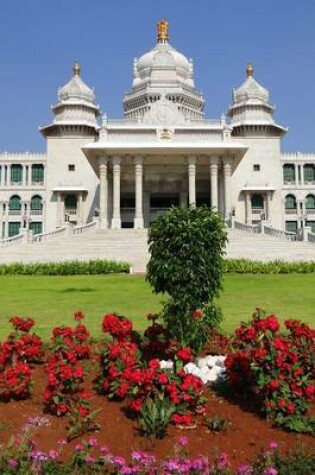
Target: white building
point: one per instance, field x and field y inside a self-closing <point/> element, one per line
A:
<point x="163" y="152"/>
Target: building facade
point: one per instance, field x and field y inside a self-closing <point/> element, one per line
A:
<point x="163" y="152"/>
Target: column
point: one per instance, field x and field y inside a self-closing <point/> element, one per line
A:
<point x="103" y="192"/>
<point x="213" y="165"/>
<point x="296" y="170"/>
<point x="227" y="172"/>
<point x="8" y="177"/>
<point x="191" y="161"/>
<point x="138" y="219"/>
<point x="248" y="207"/>
<point x="59" y="210"/>
<point x="302" y="174"/>
<point x="267" y="207"/>
<point x="116" y="221"/>
<point x="80" y="210"/>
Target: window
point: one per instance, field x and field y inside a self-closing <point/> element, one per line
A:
<point x="36" y="227"/>
<point x="257" y="201"/>
<point x="291" y="226"/>
<point x="70" y="202"/>
<point x="15" y="203"/>
<point x="71" y="168"/>
<point x="36" y="203"/>
<point x="290" y="202"/>
<point x="309" y="173"/>
<point x="256" y="167"/>
<point x="38" y="173"/>
<point x="289" y="173"/>
<point x="310" y="202"/>
<point x="14" y="228"/>
<point x="16" y="173"/>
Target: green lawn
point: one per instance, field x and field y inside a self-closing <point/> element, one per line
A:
<point x="52" y="300"/>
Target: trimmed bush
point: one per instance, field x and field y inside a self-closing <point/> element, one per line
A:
<point x="246" y="266"/>
<point x="66" y="268"/>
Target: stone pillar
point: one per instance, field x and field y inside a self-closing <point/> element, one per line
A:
<point x="302" y="174"/>
<point x="248" y="207"/>
<point x="191" y="161"/>
<point x="103" y="192"/>
<point x="80" y="206"/>
<point x="8" y="177"/>
<point x="227" y="173"/>
<point x="24" y="177"/>
<point x="116" y="221"/>
<point x="138" y="219"/>
<point x="296" y="170"/>
<point x="267" y="206"/>
<point x="59" y="210"/>
<point x="213" y="165"/>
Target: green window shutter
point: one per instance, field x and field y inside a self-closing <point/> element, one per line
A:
<point x="310" y="202"/>
<point x="37" y="173"/>
<point x="291" y="226"/>
<point x="36" y="227"/>
<point x="15" y="203"/>
<point x="309" y="173"/>
<point x="71" y="202"/>
<point x="290" y="202"/>
<point x="14" y="228"/>
<point x="36" y="203"/>
<point x="288" y="173"/>
<point x="257" y="201"/>
<point x="16" y="173"/>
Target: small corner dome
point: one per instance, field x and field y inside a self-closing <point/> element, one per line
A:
<point x="76" y="89"/>
<point x="163" y="55"/>
<point x="250" y="90"/>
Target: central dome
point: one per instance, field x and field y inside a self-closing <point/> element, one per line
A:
<point x="163" y="73"/>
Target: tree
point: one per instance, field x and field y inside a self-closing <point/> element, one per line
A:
<point x="187" y="247"/>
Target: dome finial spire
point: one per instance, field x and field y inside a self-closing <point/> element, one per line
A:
<point x="162" y="31"/>
<point x="76" y="69"/>
<point x="249" y="69"/>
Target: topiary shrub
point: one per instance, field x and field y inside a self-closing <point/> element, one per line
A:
<point x="187" y="247"/>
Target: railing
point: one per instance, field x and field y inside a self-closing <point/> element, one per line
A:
<point x="280" y="233"/>
<point x="258" y="210"/>
<point x="290" y="210"/>
<point x="311" y="237"/>
<point x="51" y="234"/>
<point x="85" y="227"/>
<point x="11" y="241"/>
<point x="248" y="228"/>
<point x="15" y="212"/>
<point x="310" y="210"/>
<point x="36" y="212"/>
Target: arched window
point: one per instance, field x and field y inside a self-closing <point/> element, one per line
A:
<point x="257" y="201"/>
<point x="15" y="203"/>
<point x="290" y="202"/>
<point x="70" y="202"/>
<point x="36" y="203"/>
<point x="289" y="173"/>
<point x="16" y="173"/>
<point x="309" y="172"/>
<point x="310" y="202"/>
<point x="37" y="173"/>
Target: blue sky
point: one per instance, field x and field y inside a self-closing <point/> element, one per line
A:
<point x="40" y="39"/>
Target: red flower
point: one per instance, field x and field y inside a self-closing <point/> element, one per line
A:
<point x="185" y="355"/>
<point x="79" y="315"/>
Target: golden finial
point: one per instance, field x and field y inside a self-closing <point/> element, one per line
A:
<point x="162" y="31"/>
<point x="249" y="69"/>
<point x="76" y="69"/>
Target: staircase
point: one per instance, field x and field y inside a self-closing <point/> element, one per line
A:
<point x="131" y="245"/>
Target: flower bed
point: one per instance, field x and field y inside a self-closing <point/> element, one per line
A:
<point x="126" y="368"/>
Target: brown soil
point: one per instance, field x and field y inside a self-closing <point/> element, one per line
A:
<point x="248" y="433"/>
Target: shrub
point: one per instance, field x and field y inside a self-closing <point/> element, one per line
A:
<point x="282" y="366"/>
<point x="186" y="246"/>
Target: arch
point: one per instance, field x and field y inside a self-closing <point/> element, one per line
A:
<point x="36" y="202"/>
<point x="310" y="201"/>
<point x="257" y="201"/>
<point x="290" y="202"/>
<point x="15" y="203"/>
<point x="71" y="202"/>
<point x="288" y="173"/>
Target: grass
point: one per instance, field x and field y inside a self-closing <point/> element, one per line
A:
<point x="52" y="300"/>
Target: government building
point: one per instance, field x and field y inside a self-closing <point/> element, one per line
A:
<point x="124" y="173"/>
